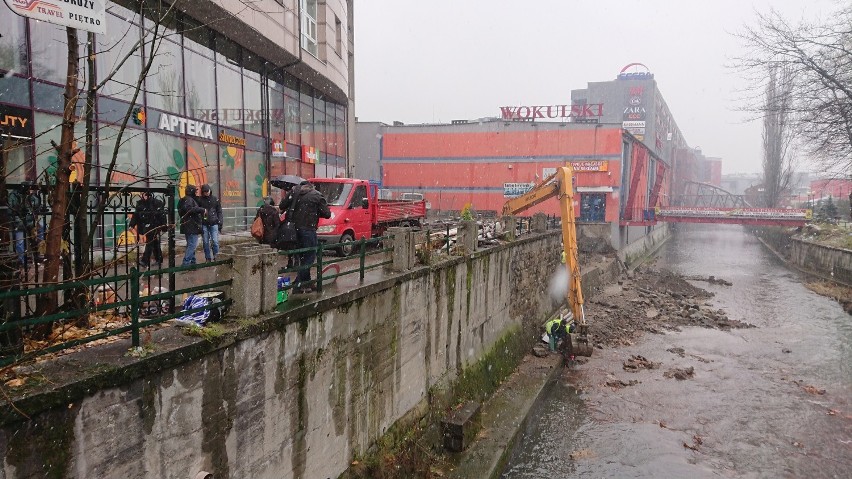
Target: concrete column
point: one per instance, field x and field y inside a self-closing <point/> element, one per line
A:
<point x="403" y="249"/>
<point x="254" y="275"/>
<point x="510" y="226"/>
<point x="466" y="236"/>
<point x="539" y="223"/>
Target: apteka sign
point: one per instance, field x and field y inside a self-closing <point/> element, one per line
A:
<point x="88" y="15"/>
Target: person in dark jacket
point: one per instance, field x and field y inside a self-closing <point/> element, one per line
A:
<point x="211" y="225"/>
<point x="191" y="217"/>
<point x="149" y="221"/>
<point x="310" y="205"/>
<point x="268" y="214"/>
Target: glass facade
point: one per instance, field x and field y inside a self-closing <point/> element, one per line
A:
<point x="208" y="111"/>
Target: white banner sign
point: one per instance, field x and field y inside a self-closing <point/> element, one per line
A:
<point x="88" y="15"/>
<point x="513" y="190"/>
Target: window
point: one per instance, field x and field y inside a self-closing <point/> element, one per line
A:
<point x="201" y="164"/>
<point x="129" y="167"/>
<point x="232" y="168"/>
<point x="338" y="36"/>
<point x="309" y="26"/>
<point x="165" y="79"/>
<point x="14" y="90"/>
<point x="230" y="89"/>
<point x="49" y="44"/>
<point x="112" y="48"/>
<point x="13" y="43"/>
<point x="358" y="196"/>
<point x="200" y="84"/>
<point x="335" y="193"/>
<point x="166" y="158"/>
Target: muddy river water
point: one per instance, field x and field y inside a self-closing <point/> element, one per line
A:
<point x="755" y="406"/>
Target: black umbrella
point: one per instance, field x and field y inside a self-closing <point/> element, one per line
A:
<point x="286" y="181"/>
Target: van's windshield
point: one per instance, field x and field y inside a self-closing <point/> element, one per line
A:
<point x="335" y="194"/>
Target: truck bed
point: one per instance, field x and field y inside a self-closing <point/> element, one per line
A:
<point x="391" y="211"/>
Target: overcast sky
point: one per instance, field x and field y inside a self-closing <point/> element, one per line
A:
<point x="422" y="61"/>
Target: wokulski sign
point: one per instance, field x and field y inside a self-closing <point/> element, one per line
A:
<point x="594" y="110"/>
<point x="88" y="15"/>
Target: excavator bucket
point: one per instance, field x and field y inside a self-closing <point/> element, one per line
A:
<point x="579" y="344"/>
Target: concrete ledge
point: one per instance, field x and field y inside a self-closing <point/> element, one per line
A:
<point x="504" y="416"/>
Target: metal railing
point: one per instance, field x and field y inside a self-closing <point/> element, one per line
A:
<point x="14" y="325"/>
<point x="323" y="267"/>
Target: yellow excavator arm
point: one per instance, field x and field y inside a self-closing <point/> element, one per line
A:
<point x="560" y="185"/>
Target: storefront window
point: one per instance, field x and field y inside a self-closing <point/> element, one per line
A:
<point x="49" y="45"/>
<point x="13" y="43"/>
<point x="16" y="165"/>
<point x="165" y="79"/>
<point x="254" y="110"/>
<point x="200" y="84"/>
<point x="47" y="129"/>
<point x="276" y="112"/>
<point x="130" y="165"/>
<point x="256" y="178"/>
<point x="320" y="125"/>
<point x="230" y="97"/>
<point x="120" y="40"/>
<point x="307" y="123"/>
<point x="232" y="164"/>
<point x="114" y="111"/>
<point x="166" y="158"/>
<point x="14" y="90"/>
<point x="292" y="129"/>
<point x="201" y="165"/>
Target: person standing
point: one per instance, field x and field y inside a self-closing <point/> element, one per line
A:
<point x="268" y="214"/>
<point x="211" y="225"/>
<point x="27" y="233"/>
<point x="149" y="221"/>
<point x="191" y="216"/>
<point x="310" y="205"/>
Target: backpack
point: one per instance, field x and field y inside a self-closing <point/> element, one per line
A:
<point x="257" y="229"/>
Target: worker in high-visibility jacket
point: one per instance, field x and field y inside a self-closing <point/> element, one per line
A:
<point x="558" y="328"/>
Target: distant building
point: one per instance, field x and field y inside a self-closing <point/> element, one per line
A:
<point x="831" y="187"/>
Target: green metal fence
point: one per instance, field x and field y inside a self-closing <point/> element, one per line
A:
<point x="362" y="249"/>
<point x="132" y="306"/>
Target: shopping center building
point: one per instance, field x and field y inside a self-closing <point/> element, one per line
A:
<point x="628" y="154"/>
<point x="236" y="91"/>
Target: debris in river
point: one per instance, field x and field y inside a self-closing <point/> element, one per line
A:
<point x="680" y="373"/>
<point x="636" y="362"/>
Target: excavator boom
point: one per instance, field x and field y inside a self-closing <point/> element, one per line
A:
<point x="560" y="185"/>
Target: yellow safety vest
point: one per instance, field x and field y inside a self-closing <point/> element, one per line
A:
<point x="550" y="324"/>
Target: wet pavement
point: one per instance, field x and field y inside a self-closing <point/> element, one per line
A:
<point x="770" y="401"/>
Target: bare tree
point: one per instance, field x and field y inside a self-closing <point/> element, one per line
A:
<point x="777" y="135"/>
<point x="818" y="57"/>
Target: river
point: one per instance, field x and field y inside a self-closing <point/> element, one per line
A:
<point x="747" y="411"/>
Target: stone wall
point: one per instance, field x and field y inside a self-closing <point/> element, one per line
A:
<point x="297" y="395"/>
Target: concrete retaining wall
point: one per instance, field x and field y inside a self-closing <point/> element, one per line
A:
<point x="636" y="251"/>
<point x="834" y="264"/>
<point x="297" y="395"/>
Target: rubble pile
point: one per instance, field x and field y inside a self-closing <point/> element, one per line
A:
<point x="653" y="301"/>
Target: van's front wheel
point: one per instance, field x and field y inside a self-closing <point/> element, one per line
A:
<point x="348" y="247"/>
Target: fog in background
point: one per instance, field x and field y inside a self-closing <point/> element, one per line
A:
<point x="441" y="60"/>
